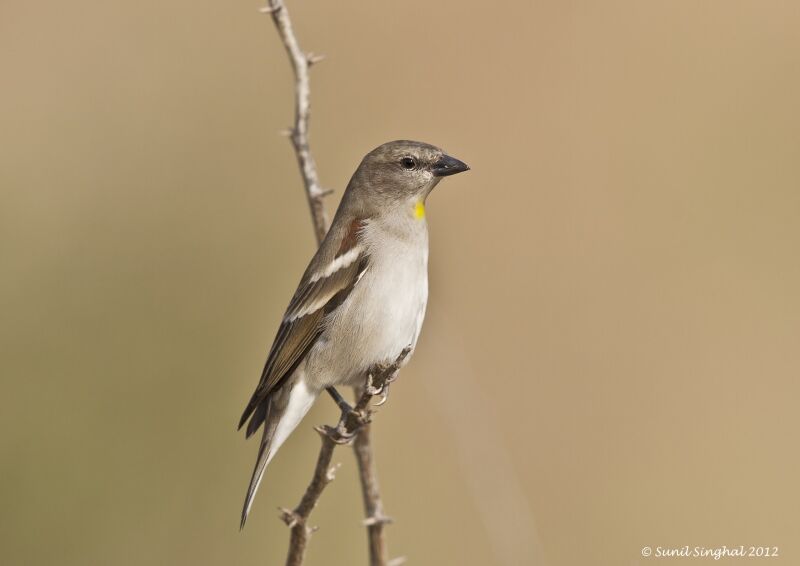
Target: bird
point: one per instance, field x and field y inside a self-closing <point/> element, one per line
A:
<point x="360" y="302"/>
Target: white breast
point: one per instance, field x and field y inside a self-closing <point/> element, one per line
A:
<point x="384" y="312"/>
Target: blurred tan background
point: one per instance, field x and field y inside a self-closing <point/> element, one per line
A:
<point x="611" y="353"/>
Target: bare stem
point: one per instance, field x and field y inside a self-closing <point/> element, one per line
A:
<point x="301" y="63"/>
<point x="355" y="423"/>
<point x="373" y="504"/>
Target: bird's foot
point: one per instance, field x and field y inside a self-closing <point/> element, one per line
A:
<point x="350" y="422"/>
<point x="353" y="419"/>
<point x="377" y="380"/>
<point x="381" y="375"/>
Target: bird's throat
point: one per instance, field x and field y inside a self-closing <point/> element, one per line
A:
<point x="419" y="210"/>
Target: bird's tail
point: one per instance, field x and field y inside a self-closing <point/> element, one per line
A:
<point x="285" y="411"/>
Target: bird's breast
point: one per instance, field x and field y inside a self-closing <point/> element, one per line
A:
<point x="384" y="312"/>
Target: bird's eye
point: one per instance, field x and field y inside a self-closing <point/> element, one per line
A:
<point x="408" y="163"/>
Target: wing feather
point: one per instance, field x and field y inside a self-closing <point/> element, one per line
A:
<point x="319" y="293"/>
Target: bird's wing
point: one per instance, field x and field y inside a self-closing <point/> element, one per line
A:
<point x="324" y="286"/>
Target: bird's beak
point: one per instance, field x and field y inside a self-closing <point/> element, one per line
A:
<point x="447" y="165"/>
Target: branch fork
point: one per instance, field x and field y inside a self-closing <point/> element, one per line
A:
<point x="351" y="426"/>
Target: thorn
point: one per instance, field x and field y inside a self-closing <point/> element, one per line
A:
<point x="289" y="517"/>
<point x="269" y="9"/>
<point x="287" y="132"/>
<point x="317" y="192"/>
<point x="377" y="520"/>
<point x="397" y="561"/>
<point x="313" y="59"/>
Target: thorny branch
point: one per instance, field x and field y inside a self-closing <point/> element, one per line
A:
<point x="301" y="63"/>
<point x="354" y="423"/>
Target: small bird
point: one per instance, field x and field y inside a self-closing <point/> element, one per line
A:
<point x="361" y="300"/>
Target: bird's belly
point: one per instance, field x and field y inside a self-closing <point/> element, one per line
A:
<point x="382" y="316"/>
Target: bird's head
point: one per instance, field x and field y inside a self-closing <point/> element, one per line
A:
<point x="404" y="171"/>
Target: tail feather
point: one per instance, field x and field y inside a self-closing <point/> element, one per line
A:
<point x="281" y="414"/>
<point x="259" y="416"/>
<point x="251" y="406"/>
<point x="258" y="472"/>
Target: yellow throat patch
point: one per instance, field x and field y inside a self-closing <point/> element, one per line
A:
<point x="419" y="210"/>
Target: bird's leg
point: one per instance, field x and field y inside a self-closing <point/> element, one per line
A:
<point x="344" y="406"/>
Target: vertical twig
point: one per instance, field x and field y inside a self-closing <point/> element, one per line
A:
<point x="373" y="504"/>
<point x="323" y="474"/>
<point x="301" y="63"/>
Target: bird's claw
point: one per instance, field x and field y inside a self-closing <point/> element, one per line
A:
<point x="384" y="393"/>
<point x="338" y="434"/>
<point x="375" y="385"/>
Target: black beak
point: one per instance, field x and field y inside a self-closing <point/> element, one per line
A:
<point x="448" y="166"/>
